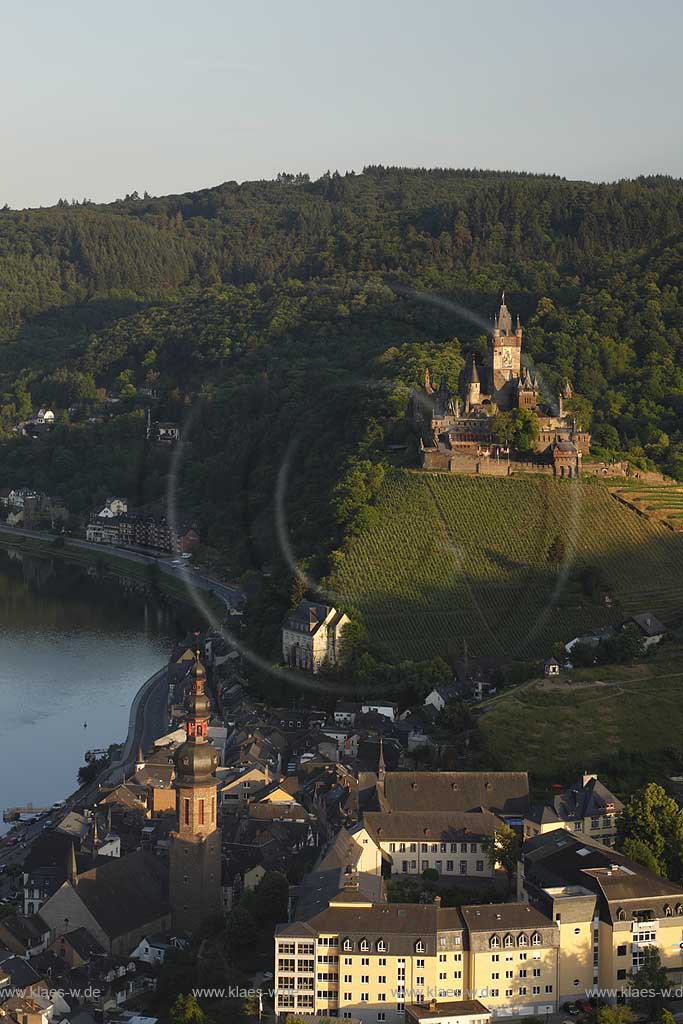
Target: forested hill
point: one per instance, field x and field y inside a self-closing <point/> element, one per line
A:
<point x="284" y="321"/>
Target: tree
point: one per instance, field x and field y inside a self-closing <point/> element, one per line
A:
<point x="502" y="849"/>
<point x="652" y="819"/>
<point x="557" y="551"/>
<point x="640" y="852"/>
<point x="186" y="1010"/>
<point x="650" y="980"/>
<point x="619" y="1014"/>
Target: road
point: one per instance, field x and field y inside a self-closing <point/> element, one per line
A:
<point x="229" y="593"/>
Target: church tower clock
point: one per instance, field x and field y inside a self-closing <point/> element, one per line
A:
<point x="195" y="853"/>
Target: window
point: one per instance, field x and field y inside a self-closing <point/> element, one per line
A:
<point x="392" y="847"/>
<point x="463" y="867"/>
<point x="442" y="958"/>
<point x="522" y="956"/>
<point x="365" y="979"/>
<point x="365" y="961"/>
<point x="537" y="972"/>
<point x="522" y="990"/>
<point x="621" y="975"/>
<point x="536" y="990"/>
<point x="364" y="997"/>
<point x="364" y="945"/>
<point x="495" y="992"/>
<point x="495" y="975"/>
<point x="348" y="978"/>
<point x="346" y="944"/>
<point x="419" y="948"/>
<point x="523" y="940"/>
<point x="548" y="989"/>
<point x="381" y="1015"/>
<point x="480" y="865"/>
<point x="463" y="847"/>
<point x="449" y="865"/>
<point x="186" y="814"/>
<point x="382" y="961"/>
<point x="473" y="847"/>
<point x="495" y="957"/>
<point x="508" y="941"/>
<point x="535" y="939"/>
<point x="381" y="946"/>
<point x="509" y="974"/>
<point x="522" y="973"/>
<point x="508" y="992"/>
<point x="494" y="942"/>
<point x="419" y="963"/>
<point x="381" y="979"/>
<point x="457" y="974"/>
<point x="347" y="961"/>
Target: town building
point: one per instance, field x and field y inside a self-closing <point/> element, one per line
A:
<point x="312" y="636"/>
<point x="455" y="426"/>
<point x="195" y="850"/>
<point x="587" y="808"/>
<point x="608" y="910"/>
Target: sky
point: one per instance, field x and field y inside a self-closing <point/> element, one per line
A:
<point x="101" y="99"/>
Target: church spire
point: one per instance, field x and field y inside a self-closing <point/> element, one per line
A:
<point x="381" y="769"/>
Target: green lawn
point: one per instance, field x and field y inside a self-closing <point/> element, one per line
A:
<point x="453" y="559"/>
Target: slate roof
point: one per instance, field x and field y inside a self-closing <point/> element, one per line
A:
<point x="577" y="802"/>
<point x="648" y="624"/>
<point x="401" y="925"/>
<point x="126" y="893"/>
<point x="496" y="917"/>
<point x="446" y="826"/>
<point x="560" y="858"/>
<point x="83" y="943"/>
<point x="504" y="793"/>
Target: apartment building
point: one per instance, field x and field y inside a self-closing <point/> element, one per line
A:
<point x="608" y="909"/>
<point x="454" y="844"/>
<point x="587" y="807"/>
<point x="365" y="960"/>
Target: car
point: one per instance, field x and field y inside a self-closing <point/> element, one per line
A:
<point x="267" y="975"/>
<point x="13" y="840"/>
<point x="571" y="1008"/>
<point x="59" y="805"/>
<point x="48" y="824"/>
<point x="584" y="1006"/>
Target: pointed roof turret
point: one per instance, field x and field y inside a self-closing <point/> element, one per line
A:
<point x="503" y="321"/>
<point x="381" y="769"/>
<point x="473" y="372"/>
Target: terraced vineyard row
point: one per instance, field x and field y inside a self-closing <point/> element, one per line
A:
<point x="460" y="558"/>
<point x="663" y="504"/>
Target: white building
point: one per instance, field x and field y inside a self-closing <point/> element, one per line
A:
<point x="312" y="635"/>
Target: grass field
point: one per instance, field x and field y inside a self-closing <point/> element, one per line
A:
<point x="462" y="558"/>
<point x="566" y="727"/>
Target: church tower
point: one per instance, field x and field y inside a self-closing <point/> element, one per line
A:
<point x="195" y="855"/>
<point x="505" y="356"/>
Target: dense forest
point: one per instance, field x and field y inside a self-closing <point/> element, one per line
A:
<point x="283" y="322"/>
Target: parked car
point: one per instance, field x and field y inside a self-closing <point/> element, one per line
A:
<point x="571" y="1008"/>
<point x="584" y="1006"/>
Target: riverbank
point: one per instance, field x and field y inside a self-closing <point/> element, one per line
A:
<point x="179" y="581"/>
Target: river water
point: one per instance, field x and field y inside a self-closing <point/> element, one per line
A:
<point x="74" y="649"/>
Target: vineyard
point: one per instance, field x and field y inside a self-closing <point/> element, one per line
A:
<point x="453" y="559"/>
<point x="661" y="504"/>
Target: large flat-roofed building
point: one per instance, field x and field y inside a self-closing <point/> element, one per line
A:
<point x="609" y="911"/>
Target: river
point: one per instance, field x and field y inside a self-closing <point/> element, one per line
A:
<point x="74" y="649"/>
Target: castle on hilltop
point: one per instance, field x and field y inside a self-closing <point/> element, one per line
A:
<point x="455" y="427"/>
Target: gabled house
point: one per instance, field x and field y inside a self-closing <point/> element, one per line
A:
<point x="312" y="635"/>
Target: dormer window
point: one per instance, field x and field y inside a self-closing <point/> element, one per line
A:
<point x="535" y="939"/>
<point x="364" y="945"/>
<point x="523" y="940"/>
<point x="494" y="942"/>
<point x="381" y="946"/>
<point x="679" y="908"/>
<point x="419" y="946"/>
<point x="508" y="941"/>
<point x="347" y="945"/>
<point x="668" y="912"/>
<point x="621" y="914"/>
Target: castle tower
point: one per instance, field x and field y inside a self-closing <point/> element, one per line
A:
<point x="472" y="385"/>
<point x="505" y="356"/>
<point x="195" y="854"/>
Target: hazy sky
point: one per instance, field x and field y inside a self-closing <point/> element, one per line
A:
<point x="101" y="99"/>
